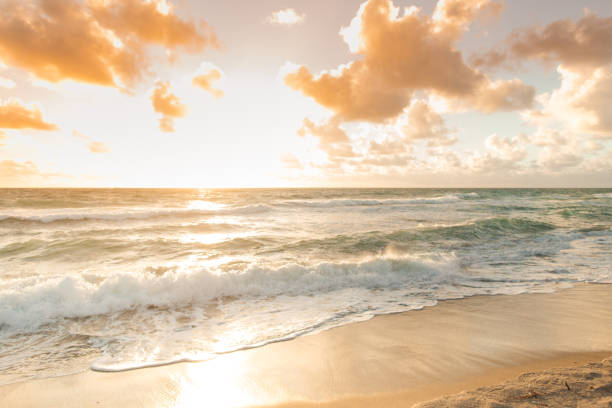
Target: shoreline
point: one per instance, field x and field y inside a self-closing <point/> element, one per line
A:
<point x="393" y="359"/>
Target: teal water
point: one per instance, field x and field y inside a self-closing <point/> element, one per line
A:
<point x="115" y="279"/>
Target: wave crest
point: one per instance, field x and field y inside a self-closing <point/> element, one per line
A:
<point x="37" y="303"/>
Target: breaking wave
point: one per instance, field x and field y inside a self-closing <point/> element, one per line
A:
<point x="35" y="303"/>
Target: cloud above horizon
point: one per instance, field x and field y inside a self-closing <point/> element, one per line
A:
<point x="16" y="115"/>
<point x="101" y="42"/>
<point x="580" y="45"/>
<point x="286" y="17"/>
<point x="404" y="54"/>
<point x="205" y="77"/>
<point x="168" y="104"/>
<point x="580" y="50"/>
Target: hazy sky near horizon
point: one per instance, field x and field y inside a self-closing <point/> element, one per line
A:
<point x="242" y="93"/>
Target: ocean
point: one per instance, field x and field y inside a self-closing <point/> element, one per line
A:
<point x="117" y="279"/>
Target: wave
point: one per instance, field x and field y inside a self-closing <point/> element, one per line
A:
<point x="31" y="304"/>
<point x="84" y="247"/>
<point x="118" y="214"/>
<point x="374" y="242"/>
<point x="496" y="226"/>
<point x="113" y="215"/>
<point x="450" y="198"/>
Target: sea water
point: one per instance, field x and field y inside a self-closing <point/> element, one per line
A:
<point x="116" y="279"/>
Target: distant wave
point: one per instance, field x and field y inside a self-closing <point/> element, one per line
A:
<point x="450" y="198"/>
<point x="134" y="213"/>
<point x="85" y="246"/>
<point x="478" y="230"/>
<point x="113" y="215"/>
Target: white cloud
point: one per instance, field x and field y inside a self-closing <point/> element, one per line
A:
<point x="286" y="17"/>
<point x="582" y="101"/>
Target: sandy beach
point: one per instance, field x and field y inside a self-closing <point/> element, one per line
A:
<point x="391" y="360"/>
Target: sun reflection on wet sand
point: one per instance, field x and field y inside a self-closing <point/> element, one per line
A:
<point x="223" y="382"/>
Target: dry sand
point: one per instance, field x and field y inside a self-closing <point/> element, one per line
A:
<point x="389" y="361"/>
<point x="586" y="386"/>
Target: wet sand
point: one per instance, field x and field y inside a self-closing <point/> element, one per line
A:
<point x="392" y="360"/>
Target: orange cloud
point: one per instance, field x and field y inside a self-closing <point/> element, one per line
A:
<point x="402" y="55"/>
<point x="152" y="22"/>
<point x="500" y="95"/>
<point x="16" y="115"/>
<point x="420" y="122"/>
<point x="454" y="16"/>
<point x="168" y="104"/>
<point x="10" y="169"/>
<point x="207" y="74"/>
<point x="581" y="50"/>
<point x="581" y="44"/>
<point x="331" y="137"/>
<point x="101" y="42"/>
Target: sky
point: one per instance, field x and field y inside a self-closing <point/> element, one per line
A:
<point x="296" y="93"/>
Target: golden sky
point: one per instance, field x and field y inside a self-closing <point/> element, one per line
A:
<point x="270" y="93"/>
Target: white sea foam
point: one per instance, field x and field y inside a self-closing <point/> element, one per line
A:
<point x="26" y="307"/>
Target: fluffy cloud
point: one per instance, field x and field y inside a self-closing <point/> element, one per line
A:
<point x="576" y="45"/>
<point x="332" y="139"/>
<point x="373" y="148"/>
<point x="206" y="75"/>
<point x="558" y="150"/>
<point x="377" y="148"/>
<point x="511" y="150"/>
<point x="454" y="16"/>
<point x="15" y="115"/>
<point x="168" y="104"/>
<point x="500" y="155"/>
<point x="582" y="102"/>
<point x="581" y="50"/>
<point x="286" y="17"/>
<point x="100" y="42"/>
<point x="421" y="122"/>
<point x="351" y="93"/>
<point x="402" y="55"/>
<point x="152" y="22"/>
<point x="501" y="95"/>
